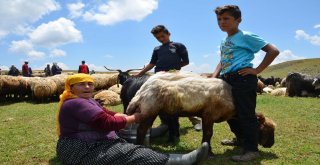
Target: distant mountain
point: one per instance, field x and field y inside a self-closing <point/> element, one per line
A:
<point x="306" y="66"/>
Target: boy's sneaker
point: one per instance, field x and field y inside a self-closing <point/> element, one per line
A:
<point x="233" y="142"/>
<point x="247" y="156"/>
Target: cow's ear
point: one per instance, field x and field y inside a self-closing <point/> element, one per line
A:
<point x="261" y="118"/>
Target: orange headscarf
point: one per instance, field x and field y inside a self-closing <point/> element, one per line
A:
<point x="67" y="94"/>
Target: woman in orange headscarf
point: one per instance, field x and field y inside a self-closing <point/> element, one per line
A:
<point x="87" y="132"/>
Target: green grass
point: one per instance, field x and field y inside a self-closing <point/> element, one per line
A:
<point x="28" y="135"/>
<point x="306" y="66"/>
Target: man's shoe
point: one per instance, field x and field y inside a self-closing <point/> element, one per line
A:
<point x="247" y="156"/>
<point x="198" y="127"/>
<point x="233" y="142"/>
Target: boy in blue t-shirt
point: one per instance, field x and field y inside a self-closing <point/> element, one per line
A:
<point x="235" y="67"/>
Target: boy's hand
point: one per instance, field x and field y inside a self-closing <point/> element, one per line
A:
<point x="247" y="71"/>
<point x="209" y="75"/>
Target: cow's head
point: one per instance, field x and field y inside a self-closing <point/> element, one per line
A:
<point x="123" y="76"/>
<point x="316" y="83"/>
<point x="266" y="131"/>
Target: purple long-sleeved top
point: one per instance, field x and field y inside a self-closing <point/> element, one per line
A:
<point x="87" y="120"/>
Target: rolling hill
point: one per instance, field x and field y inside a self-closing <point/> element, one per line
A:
<point x="306" y="66"/>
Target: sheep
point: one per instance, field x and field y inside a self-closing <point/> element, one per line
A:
<point x="116" y="88"/>
<point x="299" y="85"/>
<point x="104" y="81"/>
<point x="279" y="92"/>
<point x="260" y="86"/>
<point x="9" y="86"/>
<point x="60" y="80"/>
<point x="43" y="88"/>
<point x="24" y="87"/>
<point x="267" y="89"/>
<point x="108" y="97"/>
<point x="188" y="94"/>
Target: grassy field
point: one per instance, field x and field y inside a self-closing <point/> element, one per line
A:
<point x="306" y="66"/>
<point x="28" y="136"/>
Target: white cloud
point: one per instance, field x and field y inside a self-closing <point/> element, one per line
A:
<point x="22" y="30"/>
<point x="317" y="26"/>
<point x="22" y="46"/>
<point x="206" y="56"/>
<point x="108" y="56"/>
<point x="75" y="9"/>
<point x="52" y="34"/>
<point x="3" y="67"/>
<point x="96" y="68"/>
<point x="35" y="55"/>
<point x="286" y="55"/>
<point x="315" y="39"/>
<point x="57" y="53"/>
<point x="55" y="33"/>
<point x="115" y="11"/>
<point x="26" y="48"/>
<point x="19" y="13"/>
<point x="192" y="67"/>
<point x="62" y="65"/>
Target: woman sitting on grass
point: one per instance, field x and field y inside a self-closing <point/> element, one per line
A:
<point x="87" y="132"/>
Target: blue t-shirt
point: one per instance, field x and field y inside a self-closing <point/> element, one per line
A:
<point x="237" y="51"/>
<point x="169" y="56"/>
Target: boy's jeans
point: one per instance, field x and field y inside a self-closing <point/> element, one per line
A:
<point x="245" y="123"/>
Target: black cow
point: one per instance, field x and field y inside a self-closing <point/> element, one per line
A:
<point x="316" y="84"/>
<point x="300" y="85"/>
<point x="270" y="81"/>
<point x="130" y="86"/>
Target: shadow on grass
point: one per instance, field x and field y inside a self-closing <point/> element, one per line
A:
<point x="160" y="144"/>
<point x="44" y="101"/>
<point x="162" y="141"/>
<point x="225" y="158"/>
<point x="54" y="161"/>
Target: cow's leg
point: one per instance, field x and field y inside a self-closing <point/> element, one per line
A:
<point x="173" y="126"/>
<point x="207" y="132"/>
<point x="143" y="128"/>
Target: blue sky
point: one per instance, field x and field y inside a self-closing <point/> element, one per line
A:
<point x="116" y="33"/>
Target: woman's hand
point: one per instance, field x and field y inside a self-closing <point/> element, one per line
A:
<point x="138" y="117"/>
<point x="135" y="118"/>
<point x="120" y="114"/>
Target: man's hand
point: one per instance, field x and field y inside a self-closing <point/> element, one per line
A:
<point x="136" y="75"/>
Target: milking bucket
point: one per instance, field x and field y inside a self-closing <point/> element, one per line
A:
<point x="130" y="134"/>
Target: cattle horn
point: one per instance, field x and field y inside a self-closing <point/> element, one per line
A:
<point x="113" y="69"/>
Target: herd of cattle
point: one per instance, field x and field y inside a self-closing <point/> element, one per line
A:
<point x="294" y="84"/>
<point x="42" y="88"/>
